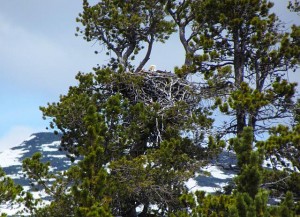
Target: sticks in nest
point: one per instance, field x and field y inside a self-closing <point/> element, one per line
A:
<point x="162" y="87"/>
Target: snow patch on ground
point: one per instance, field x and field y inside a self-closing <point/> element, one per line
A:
<point x="16" y="209"/>
<point x="19" y="175"/>
<point x="217" y="173"/>
<point x="11" y="157"/>
<point x="217" y="179"/>
<point x="12" y="210"/>
<point x="30" y="138"/>
<point x="50" y="147"/>
<point x="282" y="165"/>
<point x="57" y="156"/>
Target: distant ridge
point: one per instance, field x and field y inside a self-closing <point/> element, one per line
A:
<point x="44" y="142"/>
<point x="48" y="144"/>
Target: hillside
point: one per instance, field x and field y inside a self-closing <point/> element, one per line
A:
<point x="48" y="145"/>
<point x="11" y="161"/>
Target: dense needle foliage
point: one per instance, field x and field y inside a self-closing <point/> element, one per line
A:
<point x="136" y="143"/>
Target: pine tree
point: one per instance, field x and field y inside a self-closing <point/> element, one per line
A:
<point x="9" y="191"/>
<point x="244" y="54"/>
<point x="138" y="137"/>
<point x="124" y="28"/>
<point x="282" y="149"/>
<point x="249" y="162"/>
<point x="134" y="153"/>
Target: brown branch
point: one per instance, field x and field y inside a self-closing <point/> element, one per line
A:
<point x="274" y="183"/>
<point x="147" y="56"/>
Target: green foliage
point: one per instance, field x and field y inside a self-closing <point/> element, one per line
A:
<point x="125" y="27"/>
<point x="294" y="6"/>
<point x="282" y="148"/>
<point x="76" y="192"/>
<point x="8" y="190"/>
<point x="296" y="115"/>
<point x="138" y="152"/>
<point x="244" y="54"/>
<point x="133" y="153"/>
<point x="249" y="179"/>
<point x="35" y="170"/>
<point x="283" y="142"/>
<point x="240" y="47"/>
<point x="249" y="162"/>
<point x="236" y="205"/>
<point x="119" y="125"/>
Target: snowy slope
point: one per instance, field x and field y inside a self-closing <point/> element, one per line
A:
<point x="11" y="162"/>
<point x="221" y="169"/>
<point x="46" y="143"/>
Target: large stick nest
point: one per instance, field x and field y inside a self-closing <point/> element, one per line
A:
<point x="160" y="87"/>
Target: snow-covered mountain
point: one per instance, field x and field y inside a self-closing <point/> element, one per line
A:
<point x="11" y="162"/>
<point x="46" y="143"/>
<point x="220" y="170"/>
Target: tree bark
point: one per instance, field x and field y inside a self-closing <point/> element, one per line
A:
<point x="239" y="77"/>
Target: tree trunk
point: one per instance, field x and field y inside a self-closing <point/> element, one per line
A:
<point x="239" y="78"/>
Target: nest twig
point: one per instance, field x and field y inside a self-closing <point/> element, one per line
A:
<point x="160" y="87"/>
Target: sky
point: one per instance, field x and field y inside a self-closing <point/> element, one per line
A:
<point x="40" y="56"/>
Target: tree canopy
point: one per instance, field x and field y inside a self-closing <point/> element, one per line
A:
<point x="137" y="136"/>
<point x="125" y="28"/>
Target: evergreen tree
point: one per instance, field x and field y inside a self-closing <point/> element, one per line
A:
<point x="249" y="162"/>
<point x="8" y="190"/>
<point x="125" y="28"/>
<point x="244" y="54"/>
<point x="134" y="153"/>
<point x="187" y="27"/>
<point x="137" y="137"/>
<point x="282" y="149"/>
